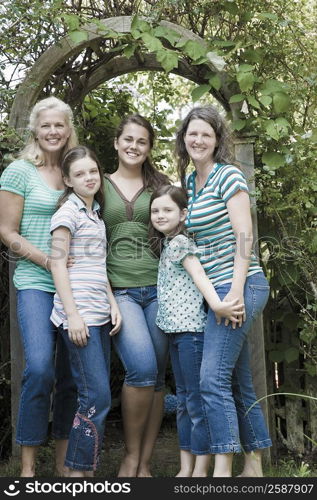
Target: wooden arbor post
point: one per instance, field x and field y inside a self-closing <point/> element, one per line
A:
<point x="116" y="64"/>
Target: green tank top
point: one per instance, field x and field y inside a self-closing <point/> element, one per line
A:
<point x="130" y="262"/>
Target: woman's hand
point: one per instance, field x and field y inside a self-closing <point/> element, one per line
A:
<point x="229" y="310"/>
<point x="78" y="331"/>
<point x="116" y="319"/>
<point x="70" y="261"/>
<point x="234" y="295"/>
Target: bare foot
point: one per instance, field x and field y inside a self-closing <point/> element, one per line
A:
<point x="144" y="473"/>
<point x="184" y="473"/>
<point x="128" y="467"/>
<point x="27" y="473"/>
<point x="249" y="474"/>
<point x="61" y="471"/>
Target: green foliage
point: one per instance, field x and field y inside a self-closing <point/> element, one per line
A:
<point x="261" y="55"/>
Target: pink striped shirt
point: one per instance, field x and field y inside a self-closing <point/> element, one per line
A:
<point x="88" y="275"/>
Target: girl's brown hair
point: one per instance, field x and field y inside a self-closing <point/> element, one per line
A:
<point x="74" y="154"/>
<point x="179" y="196"/>
<point x="152" y="178"/>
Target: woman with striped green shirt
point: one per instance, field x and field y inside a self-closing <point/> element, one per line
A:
<point x="219" y="219"/>
<point x="30" y="188"/>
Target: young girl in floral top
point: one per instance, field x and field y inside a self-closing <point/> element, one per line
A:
<point x="182" y="288"/>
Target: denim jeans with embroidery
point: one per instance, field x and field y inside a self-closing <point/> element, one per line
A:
<point x="90" y="367"/>
<point x="226" y="381"/>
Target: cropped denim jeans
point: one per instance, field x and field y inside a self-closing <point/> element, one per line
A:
<point x="186" y="350"/>
<point x="226" y="381"/>
<point x="40" y="341"/>
<point x="90" y="367"/>
<point x="140" y="344"/>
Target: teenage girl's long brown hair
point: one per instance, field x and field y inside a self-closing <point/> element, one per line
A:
<point x="152" y="178"/>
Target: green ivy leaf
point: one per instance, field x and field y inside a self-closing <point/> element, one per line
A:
<point x="281" y="102"/>
<point x="291" y="354"/>
<point x="78" y="36"/>
<point x="217" y="61"/>
<point x="152" y="43"/>
<point x="236" y="98"/>
<point x="231" y="7"/>
<point x="140" y="25"/>
<point x="238" y="124"/>
<point x="168" y="59"/>
<point x="283" y="124"/>
<point x="245" y="68"/>
<point x="255" y="56"/>
<point x="215" y="82"/>
<point x="168" y="34"/>
<point x="271" y="86"/>
<point x="194" y="50"/>
<point x="72" y="21"/>
<point x="253" y="102"/>
<point x="266" y="100"/>
<point x="129" y="51"/>
<point x="245" y="80"/>
<point x="272" y="130"/>
<point x="198" y="92"/>
<point x="272" y="159"/>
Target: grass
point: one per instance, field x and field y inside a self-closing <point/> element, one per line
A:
<point x="165" y="458"/>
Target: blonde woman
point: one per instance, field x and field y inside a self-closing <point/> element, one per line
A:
<point x="30" y="188"/>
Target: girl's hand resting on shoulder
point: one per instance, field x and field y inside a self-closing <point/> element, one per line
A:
<point x="78" y="332"/>
<point x="116" y="319"/>
<point x="230" y="310"/>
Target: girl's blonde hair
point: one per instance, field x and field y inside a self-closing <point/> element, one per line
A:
<point x="32" y="151"/>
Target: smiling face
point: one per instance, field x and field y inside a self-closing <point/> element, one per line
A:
<point x="200" y="142"/>
<point x="84" y="179"/>
<point x="52" y="131"/>
<point x="133" y="146"/>
<point x="166" y="215"/>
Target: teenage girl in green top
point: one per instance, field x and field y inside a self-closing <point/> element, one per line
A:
<point x="132" y="271"/>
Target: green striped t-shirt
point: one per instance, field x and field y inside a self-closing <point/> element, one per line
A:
<point x="130" y="262"/>
<point x="208" y="221"/>
<point x="23" y="178"/>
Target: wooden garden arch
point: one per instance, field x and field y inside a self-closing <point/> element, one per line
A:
<point x="110" y="66"/>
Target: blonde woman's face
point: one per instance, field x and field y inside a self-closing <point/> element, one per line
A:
<point x="52" y="131"/>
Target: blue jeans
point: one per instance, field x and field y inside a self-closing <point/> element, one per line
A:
<point x="186" y="350"/>
<point x="140" y="344"/>
<point x="226" y="381"/>
<point x="90" y="367"/>
<point x="39" y="338"/>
